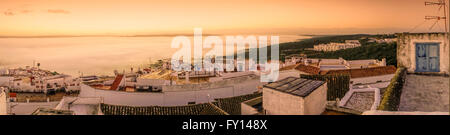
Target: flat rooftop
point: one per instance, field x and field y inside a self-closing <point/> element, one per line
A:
<point x="295" y="86"/>
<point x="425" y="93"/>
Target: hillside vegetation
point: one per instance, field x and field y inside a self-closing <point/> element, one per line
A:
<point x="373" y="51"/>
<point x="366" y="51"/>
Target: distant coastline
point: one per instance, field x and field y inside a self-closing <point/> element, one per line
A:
<point x="76" y="36"/>
<point x="143" y="35"/>
<point x="148" y="35"/>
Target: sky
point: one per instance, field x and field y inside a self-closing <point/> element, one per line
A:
<point x="151" y="17"/>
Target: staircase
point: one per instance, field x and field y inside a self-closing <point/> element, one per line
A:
<point x="116" y="83"/>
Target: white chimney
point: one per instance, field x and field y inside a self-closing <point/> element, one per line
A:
<point x="187" y="77"/>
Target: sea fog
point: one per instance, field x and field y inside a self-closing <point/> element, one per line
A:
<point x="91" y="55"/>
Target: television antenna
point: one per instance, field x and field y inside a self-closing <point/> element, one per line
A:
<point x="442" y="5"/>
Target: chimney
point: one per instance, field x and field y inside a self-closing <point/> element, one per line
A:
<point x="187" y="76"/>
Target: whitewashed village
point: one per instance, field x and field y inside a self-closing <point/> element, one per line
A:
<point x="417" y="85"/>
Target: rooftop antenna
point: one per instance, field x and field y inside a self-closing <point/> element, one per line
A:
<point x="441" y="4"/>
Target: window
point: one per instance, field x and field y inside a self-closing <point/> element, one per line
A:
<point x="433" y="51"/>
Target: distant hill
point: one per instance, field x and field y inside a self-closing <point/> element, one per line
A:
<point x="373" y="51"/>
<point x="366" y="51"/>
<point x="287" y="49"/>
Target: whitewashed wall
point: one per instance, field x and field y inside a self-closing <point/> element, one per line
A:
<point x="381" y="81"/>
<point x="315" y="103"/>
<point x="3" y="103"/>
<point x="281" y="103"/>
<point x="151" y="82"/>
<point x="176" y="95"/>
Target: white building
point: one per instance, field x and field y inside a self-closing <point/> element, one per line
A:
<point x="3" y="102"/>
<point x="43" y="84"/>
<point x="32" y="79"/>
<point x="293" y="59"/>
<point x="337" y="46"/>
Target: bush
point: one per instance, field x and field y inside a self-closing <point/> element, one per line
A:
<point x="391" y="97"/>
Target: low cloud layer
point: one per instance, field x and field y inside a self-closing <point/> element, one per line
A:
<point x="13" y="12"/>
<point x="9" y="12"/>
<point x="58" y="11"/>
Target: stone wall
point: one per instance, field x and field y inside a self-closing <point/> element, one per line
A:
<point x="406" y="50"/>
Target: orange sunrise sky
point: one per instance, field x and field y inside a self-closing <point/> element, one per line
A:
<point x="134" y="17"/>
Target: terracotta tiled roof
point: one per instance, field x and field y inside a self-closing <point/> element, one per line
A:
<point x="365" y="72"/>
<point x="198" y="109"/>
<point x="12" y="95"/>
<point x="308" y="69"/>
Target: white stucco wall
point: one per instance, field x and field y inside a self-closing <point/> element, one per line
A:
<point x="3" y="103"/>
<point x="247" y="106"/>
<point x="280" y="103"/>
<point x="316" y="102"/>
<point x="248" y="110"/>
<point x="176" y="95"/>
<point x="381" y="81"/>
<point x="151" y="82"/>
<point x="84" y="109"/>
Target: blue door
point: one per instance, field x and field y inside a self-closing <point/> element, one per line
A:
<point x="427" y="57"/>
